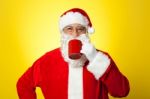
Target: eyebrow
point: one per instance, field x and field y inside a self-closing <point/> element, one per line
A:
<point x="79" y="26"/>
<point x="68" y="26"/>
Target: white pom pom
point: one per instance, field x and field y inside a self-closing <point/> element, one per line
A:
<point x="90" y="30"/>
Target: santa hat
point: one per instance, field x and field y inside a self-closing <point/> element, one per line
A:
<point x="76" y="15"/>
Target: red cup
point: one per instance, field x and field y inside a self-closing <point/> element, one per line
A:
<point x="74" y="48"/>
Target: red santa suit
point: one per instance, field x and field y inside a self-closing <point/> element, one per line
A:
<point x="58" y="80"/>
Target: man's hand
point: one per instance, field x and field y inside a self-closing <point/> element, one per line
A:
<point x="89" y="50"/>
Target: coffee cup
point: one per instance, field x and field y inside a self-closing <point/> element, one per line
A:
<point x="74" y="47"/>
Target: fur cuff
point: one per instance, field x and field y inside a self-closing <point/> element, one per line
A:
<point x="99" y="65"/>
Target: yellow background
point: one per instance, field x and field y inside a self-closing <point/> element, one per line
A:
<point x="29" y="28"/>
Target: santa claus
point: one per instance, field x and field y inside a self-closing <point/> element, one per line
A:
<point x="91" y="76"/>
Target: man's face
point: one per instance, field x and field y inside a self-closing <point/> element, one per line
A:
<point x="75" y="30"/>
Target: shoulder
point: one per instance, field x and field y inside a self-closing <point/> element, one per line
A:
<point x="50" y="54"/>
<point x="103" y="52"/>
<point x="53" y="53"/>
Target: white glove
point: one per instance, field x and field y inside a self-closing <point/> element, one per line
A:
<point x="89" y="51"/>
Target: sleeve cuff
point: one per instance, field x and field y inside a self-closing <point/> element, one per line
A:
<point x="99" y="65"/>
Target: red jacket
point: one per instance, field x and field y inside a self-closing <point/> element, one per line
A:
<point x="50" y="73"/>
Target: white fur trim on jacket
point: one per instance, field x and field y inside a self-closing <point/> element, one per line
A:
<point x="75" y="83"/>
<point x="99" y="65"/>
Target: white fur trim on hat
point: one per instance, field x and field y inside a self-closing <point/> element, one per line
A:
<point x="90" y="30"/>
<point x="99" y="65"/>
<point x="72" y="17"/>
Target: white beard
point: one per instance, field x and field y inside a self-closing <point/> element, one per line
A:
<point x="64" y="49"/>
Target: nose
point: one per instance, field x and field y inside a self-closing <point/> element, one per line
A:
<point x="75" y="34"/>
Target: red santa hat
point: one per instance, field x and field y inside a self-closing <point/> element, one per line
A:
<point x="76" y="15"/>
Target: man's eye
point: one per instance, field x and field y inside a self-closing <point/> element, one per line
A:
<point x="69" y="28"/>
<point x="81" y="29"/>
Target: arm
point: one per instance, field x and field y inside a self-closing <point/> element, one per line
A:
<point x="104" y="69"/>
<point x="116" y="83"/>
<point x="27" y="83"/>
